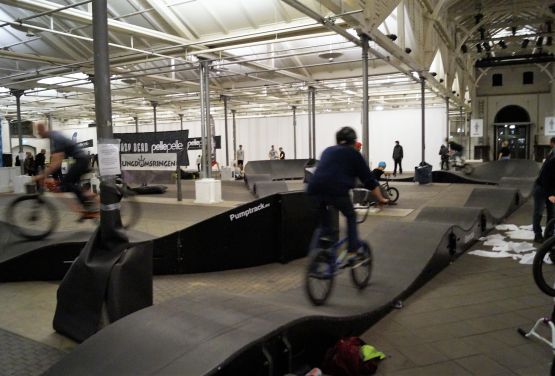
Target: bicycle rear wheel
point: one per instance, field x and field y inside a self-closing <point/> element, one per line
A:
<point x="544" y="272"/>
<point x="393" y="194"/>
<point x="361" y="271"/>
<point x="467" y="169"/>
<point x="32" y="217"/>
<point x="319" y="277"/>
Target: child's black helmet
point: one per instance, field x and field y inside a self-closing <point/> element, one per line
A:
<point x="346" y="136"/>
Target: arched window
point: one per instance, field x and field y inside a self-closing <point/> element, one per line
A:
<point x="512" y="114"/>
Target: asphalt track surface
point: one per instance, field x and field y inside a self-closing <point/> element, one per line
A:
<point x="207" y="332"/>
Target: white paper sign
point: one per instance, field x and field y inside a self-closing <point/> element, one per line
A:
<point x="477" y="128"/>
<point x="148" y="161"/>
<point x="108" y="157"/>
<point x="549" y="126"/>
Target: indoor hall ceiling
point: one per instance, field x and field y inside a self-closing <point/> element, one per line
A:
<point x="504" y="30"/>
<point x="264" y="53"/>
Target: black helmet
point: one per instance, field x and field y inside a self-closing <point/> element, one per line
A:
<point x="346" y="136"/>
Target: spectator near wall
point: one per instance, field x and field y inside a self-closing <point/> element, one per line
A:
<point x="240" y="157"/>
<point x="273" y="154"/>
<point x="281" y="153"/>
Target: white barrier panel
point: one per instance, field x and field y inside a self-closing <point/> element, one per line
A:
<point x="19" y="183"/>
<point x="155" y="161"/>
<point x="208" y="191"/>
<point x="7" y="178"/>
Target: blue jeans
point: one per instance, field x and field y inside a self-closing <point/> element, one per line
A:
<point x="541" y="202"/>
<point x="345" y="206"/>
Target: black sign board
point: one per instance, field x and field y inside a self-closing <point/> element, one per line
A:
<point x="156" y="142"/>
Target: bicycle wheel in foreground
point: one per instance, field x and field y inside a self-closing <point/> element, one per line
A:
<point x="319" y="277"/>
<point x="130" y="210"/>
<point x="362" y="269"/>
<point x="393" y="194"/>
<point x="32" y="217"/>
<point x="544" y="268"/>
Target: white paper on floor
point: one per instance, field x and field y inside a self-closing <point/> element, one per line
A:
<point x="521" y="234"/>
<point x="491" y="254"/>
<point x="506" y="227"/>
<point x="501" y="248"/>
<point x="492" y="236"/>
<point x="529" y="259"/>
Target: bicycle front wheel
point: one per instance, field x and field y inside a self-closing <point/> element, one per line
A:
<point x="393" y="194"/>
<point x="543" y="267"/>
<point x="32" y="217"/>
<point x="361" y="271"/>
<point x="319" y="277"/>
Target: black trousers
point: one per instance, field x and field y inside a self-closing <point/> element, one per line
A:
<point x="398" y="162"/>
<point x="73" y="178"/>
<point x="541" y="203"/>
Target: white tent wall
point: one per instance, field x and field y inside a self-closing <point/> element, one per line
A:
<point x="405" y="126"/>
<point x="257" y="134"/>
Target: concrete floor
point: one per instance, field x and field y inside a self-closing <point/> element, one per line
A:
<point x="463" y="322"/>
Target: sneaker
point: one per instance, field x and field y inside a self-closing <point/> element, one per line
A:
<point x="538" y="239"/>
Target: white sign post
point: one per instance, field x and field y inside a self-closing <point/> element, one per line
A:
<point x="549" y="126"/>
<point x="477" y="128"/>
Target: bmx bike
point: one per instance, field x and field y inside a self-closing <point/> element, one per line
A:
<point x="35" y="216"/>
<point x="327" y="260"/>
<point x="392" y="192"/>
<point x="461" y="165"/>
<point x="543" y="269"/>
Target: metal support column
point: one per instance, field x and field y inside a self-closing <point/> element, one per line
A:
<point x="309" y="102"/>
<point x="136" y="118"/>
<point x="365" y="122"/>
<point x="423" y="104"/>
<point x="180" y="121"/>
<point x="294" y="108"/>
<point x="447" y="117"/>
<point x="17" y="93"/>
<point x="313" y="113"/>
<point x="234" y="135"/>
<point x="462" y="126"/>
<point x="225" y="98"/>
<point x="154" y="105"/>
<point x="50" y="127"/>
<point x="205" y="119"/>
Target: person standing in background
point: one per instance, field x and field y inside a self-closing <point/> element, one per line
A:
<point x="272" y="154"/>
<point x="29" y="164"/>
<point x="40" y="160"/>
<point x="240" y="157"/>
<point x="444" y="154"/>
<point x="281" y="153"/>
<point x="544" y="194"/>
<point x="397" y="158"/>
<point x="199" y="159"/>
<point x="505" y="152"/>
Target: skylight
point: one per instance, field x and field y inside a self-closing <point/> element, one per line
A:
<point x="71" y="79"/>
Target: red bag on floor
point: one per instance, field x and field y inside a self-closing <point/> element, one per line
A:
<point x="343" y="359"/>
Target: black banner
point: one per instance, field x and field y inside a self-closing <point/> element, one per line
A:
<point x="195" y="143"/>
<point x="85" y="144"/>
<point x="156" y="142"/>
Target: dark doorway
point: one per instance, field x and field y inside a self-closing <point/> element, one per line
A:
<point x="512" y="125"/>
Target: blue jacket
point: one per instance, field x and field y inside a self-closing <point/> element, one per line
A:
<point x="337" y="171"/>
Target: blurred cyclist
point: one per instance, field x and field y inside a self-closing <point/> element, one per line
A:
<point x="62" y="148"/>
<point x="334" y="177"/>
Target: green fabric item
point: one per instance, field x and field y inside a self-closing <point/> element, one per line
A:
<point x="368" y="352"/>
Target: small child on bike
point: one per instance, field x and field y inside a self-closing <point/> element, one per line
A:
<point x="377" y="174"/>
<point x="334" y="177"/>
